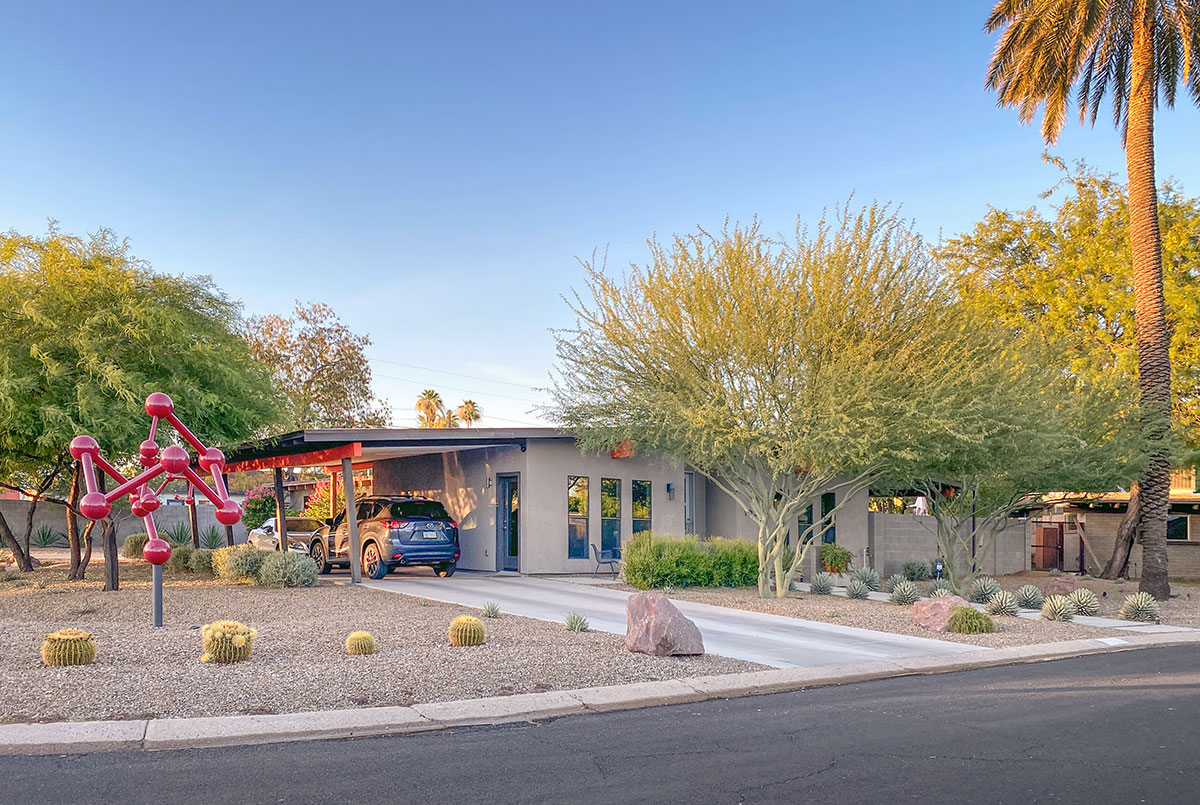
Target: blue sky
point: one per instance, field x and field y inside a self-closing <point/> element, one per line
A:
<point x="432" y="170"/>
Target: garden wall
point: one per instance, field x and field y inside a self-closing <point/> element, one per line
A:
<point x="15" y="512"/>
<point x="899" y="538"/>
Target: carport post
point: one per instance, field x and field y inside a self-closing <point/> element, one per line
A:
<point x="228" y="528"/>
<point x="352" y="522"/>
<point x="191" y="504"/>
<point x="280" y="511"/>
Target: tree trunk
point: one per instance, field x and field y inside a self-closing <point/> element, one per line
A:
<point x="1153" y="338"/>
<point x="20" y="557"/>
<point x="108" y="538"/>
<point x="73" y="524"/>
<point x="1118" y="563"/>
<point x="87" y="550"/>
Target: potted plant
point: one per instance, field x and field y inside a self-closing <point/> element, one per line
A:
<point x="836" y="560"/>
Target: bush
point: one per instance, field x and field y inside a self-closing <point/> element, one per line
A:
<point x="968" y="620"/>
<point x="287" y="570"/>
<point x="238" y="563"/>
<point x="201" y="561"/>
<point x="181" y="559"/>
<point x="916" y="571"/>
<point x="732" y="562"/>
<point x="835" y="558"/>
<point x="258" y="506"/>
<point x="651" y="562"/>
<point x="132" y="547"/>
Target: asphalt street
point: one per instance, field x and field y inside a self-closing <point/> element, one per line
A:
<point x="1111" y="728"/>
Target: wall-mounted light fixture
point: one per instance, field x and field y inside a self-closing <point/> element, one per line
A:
<point x="487" y="484"/>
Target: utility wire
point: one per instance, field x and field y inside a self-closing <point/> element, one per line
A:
<point x="465" y="391"/>
<point x="456" y="374"/>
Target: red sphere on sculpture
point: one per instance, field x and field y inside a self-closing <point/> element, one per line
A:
<point x="148" y="453"/>
<point x="212" y="460"/>
<point x="150" y="501"/>
<point x="229" y="513"/>
<point x="174" y="459"/>
<point x="136" y="508"/>
<point x="94" y="506"/>
<point x="157" y="551"/>
<point x="84" y="444"/>
<point x="159" y="405"/>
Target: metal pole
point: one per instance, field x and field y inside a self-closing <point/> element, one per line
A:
<point x="228" y="528"/>
<point x="158" y="619"/>
<point x="352" y="522"/>
<point x="280" y="511"/>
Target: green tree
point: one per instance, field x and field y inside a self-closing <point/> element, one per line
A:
<point x="1064" y="276"/>
<point x="320" y="364"/>
<point x="88" y="332"/>
<point x="778" y="370"/>
<point x="1141" y="51"/>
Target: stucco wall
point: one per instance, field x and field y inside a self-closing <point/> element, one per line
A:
<point x="1100" y="530"/>
<point x="167" y="516"/>
<point x="900" y="538"/>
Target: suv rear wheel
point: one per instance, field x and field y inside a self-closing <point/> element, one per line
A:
<point x="372" y="562"/>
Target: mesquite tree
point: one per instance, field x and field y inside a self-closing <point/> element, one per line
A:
<point x="777" y="369"/>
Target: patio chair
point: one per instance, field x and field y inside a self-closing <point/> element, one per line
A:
<point x="611" y="558"/>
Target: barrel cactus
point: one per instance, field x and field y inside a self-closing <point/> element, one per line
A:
<point x="968" y="620"/>
<point x="941" y="592"/>
<point x="1140" y="606"/>
<point x="1002" y="603"/>
<point x="466" y="631"/>
<point x="982" y="590"/>
<point x="360" y="643"/>
<point x="905" y="592"/>
<point x="1029" y="597"/>
<point x="1085" y="601"/>
<point x="1058" y="608"/>
<point x="576" y="622"/>
<point x="868" y="576"/>
<point x="227" y="641"/>
<point x="821" y="584"/>
<point x="857" y="588"/>
<point x="893" y="580"/>
<point x="940" y="584"/>
<point x="68" y="647"/>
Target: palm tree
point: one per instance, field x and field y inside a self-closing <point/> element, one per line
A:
<point x="429" y="408"/>
<point x="448" y="419"/>
<point x="1140" y="50"/>
<point x="469" y="412"/>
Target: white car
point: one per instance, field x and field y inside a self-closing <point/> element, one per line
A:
<point x="299" y="529"/>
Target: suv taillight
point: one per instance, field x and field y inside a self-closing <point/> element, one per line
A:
<point x="395" y="523"/>
<point x="453" y="524"/>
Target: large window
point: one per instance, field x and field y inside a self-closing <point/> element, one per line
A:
<point x="610" y="513"/>
<point x="641" y="506"/>
<point x="828" y="504"/>
<point x="577" y="517"/>
<point x="1177" y="527"/>
<point x="804" y="529"/>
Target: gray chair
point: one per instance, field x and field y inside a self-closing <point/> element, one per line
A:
<point x="611" y="558"/>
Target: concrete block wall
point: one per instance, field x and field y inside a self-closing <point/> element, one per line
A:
<point x="900" y="538"/>
<point x="167" y="516"/>
<point x="1100" y="531"/>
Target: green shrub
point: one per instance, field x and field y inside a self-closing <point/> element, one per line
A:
<point x="857" y="588"/>
<point x="982" y="590"/>
<point x="45" y="537"/>
<point x="286" y="570"/>
<point x="651" y="562"/>
<point x="868" y="576"/>
<point x="835" y="558"/>
<point x="916" y="571"/>
<point x="1085" y="601"/>
<point x="732" y="562"/>
<point x="201" y="561"/>
<point x="238" y="563"/>
<point x="893" y="580"/>
<point x="821" y="584"/>
<point x="942" y="585"/>
<point x="132" y="547"/>
<point x="181" y="559"/>
<point x="1140" y="606"/>
<point x="1029" y="597"/>
<point x="258" y="506"/>
<point x="1002" y="603"/>
<point x="968" y="620"/>
<point x="906" y="593"/>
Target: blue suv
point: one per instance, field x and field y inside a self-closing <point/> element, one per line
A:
<point x="394" y="532"/>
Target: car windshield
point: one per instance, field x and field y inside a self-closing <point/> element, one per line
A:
<point x="420" y="509"/>
<point x="298" y="524"/>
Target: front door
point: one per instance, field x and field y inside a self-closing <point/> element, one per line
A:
<point x="508" y="531"/>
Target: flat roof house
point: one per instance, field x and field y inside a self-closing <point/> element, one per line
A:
<point x="528" y="500"/>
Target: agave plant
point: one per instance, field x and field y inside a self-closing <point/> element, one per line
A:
<point x="1029" y="597"/>
<point x="982" y="590"/>
<point x="1058" y="608"/>
<point x="940" y="587"/>
<point x="905" y="593"/>
<point x="1002" y="603"/>
<point x="45" y="537"/>
<point x="576" y="622"/>
<point x="857" y="588"/>
<point x="868" y="576"/>
<point x="1085" y="601"/>
<point x="893" y="580"/>
<point x="1140" y="606"/>
<point x="941" y="592"/>
<point x="491" y="610"/>
<point x="821" y="584"/>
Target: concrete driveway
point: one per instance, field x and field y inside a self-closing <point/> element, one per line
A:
<point x="767" y="639"/>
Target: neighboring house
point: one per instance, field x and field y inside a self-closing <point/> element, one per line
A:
<point x="1083" y="531"/>
<point x="527" y="499"/>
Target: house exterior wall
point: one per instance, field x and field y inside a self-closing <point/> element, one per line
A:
<point x="1100" y="532"/>
<point x="900" y="538"/>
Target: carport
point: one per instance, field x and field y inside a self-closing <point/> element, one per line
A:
<point x="343" y="451"/>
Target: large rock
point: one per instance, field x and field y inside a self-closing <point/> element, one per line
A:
<point x="657" y="627"/>
<point x="935" y="613"/>
<point x="1061" y="585"/>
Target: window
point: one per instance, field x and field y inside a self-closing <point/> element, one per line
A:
<point x="804" y="524"/>
<point x="828" y="503"/>
<point x="422" y="509"/>
<point x="641" y="506"/>
<point x="1177" y="527"/>
<point x="577" y="517"/>
<point x="610" y="513"/>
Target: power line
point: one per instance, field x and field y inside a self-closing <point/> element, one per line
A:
<point x="456" y="374"/>
<point x="465" y="391"/>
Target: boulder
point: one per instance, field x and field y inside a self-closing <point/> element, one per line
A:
<point x="1061" y="585"/>
<point x="656" y="626"/>
<point x="934" y="613"/>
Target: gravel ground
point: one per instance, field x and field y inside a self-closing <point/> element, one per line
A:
<point x="883" y="616"/>
<point x="299" y="661"/>
<point x="1182" y="610"/>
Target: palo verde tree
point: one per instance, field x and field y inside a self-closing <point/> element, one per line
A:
<point x="777" y="369"/>
<point x="1139" y="52"/>
<point x="88" y="332"/>
<point x="1063" y="277"/>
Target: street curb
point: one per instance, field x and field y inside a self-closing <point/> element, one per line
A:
<point x="77" y="737"/>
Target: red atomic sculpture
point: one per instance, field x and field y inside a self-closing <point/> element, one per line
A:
<point x="175" y="463"/>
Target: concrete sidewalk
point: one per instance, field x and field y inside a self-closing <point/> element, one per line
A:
<point x="193" y="733"/>
<point x="773" y="640"/>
